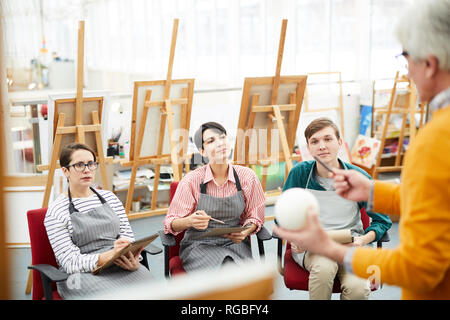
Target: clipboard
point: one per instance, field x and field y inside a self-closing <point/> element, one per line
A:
<point x="133" y="247"/>
<point x="220" y="231"/>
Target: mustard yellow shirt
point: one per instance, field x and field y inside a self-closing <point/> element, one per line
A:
<point x="420" y="265"/>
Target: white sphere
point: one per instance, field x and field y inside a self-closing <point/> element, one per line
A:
<point x="291" y="207"/>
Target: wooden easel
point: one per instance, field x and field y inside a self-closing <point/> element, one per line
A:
<point x="394" y="106"/>
<point x="166" y="117"/>
<point x="339" y="108"/>
<point x="79" y="129"/>
<point x="273" y="111"/>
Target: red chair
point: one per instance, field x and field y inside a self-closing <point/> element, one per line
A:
<point x="297" y="278"/>
<point x="44" y="266"/>
<point x="173" y="265"/>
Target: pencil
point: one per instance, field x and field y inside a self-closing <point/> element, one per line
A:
<point x="214" y="219"/>
<point x="323" y="164"/>
<point x="217" y="220"/>
<point x="327" y="167"/>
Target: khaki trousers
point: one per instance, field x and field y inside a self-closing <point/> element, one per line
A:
<point x="322" y="272"/>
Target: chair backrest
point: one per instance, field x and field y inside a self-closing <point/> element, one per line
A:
<point x="41" y="250"/>
<point x="175" y="250"/>
<point x="365" y="218"/>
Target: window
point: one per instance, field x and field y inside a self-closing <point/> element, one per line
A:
<point x="312" y="27"/>
<point x="384" y="46"/>
<point x="218" y="42"/>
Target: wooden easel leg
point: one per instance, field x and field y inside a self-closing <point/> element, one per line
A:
<point x="187" y="163"/>
<point x="286" y="173"/>
<point x="251" y="122"/>
<point x="173" y="150"/>
<point x="183" y="152"/>
<point x="291" y="120"/>
<point x="155" y="186"/>
<point x="51" y="173"/>
<point x="264" y="178"/>
<point x="386" y="124"/>
<point x="131" y="188"/>
<point x="80" y="137"/>
<point x="101" y="155"/>
<point x="180" y="169"/>
<point x="283" y="138"/>
<point x="269" y="139"/>
<point x="55" y="156"/>
<point x="137" y="153"/>
<point x="29" y="282"/>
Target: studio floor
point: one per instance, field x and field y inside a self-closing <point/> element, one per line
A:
<point x="21" y="258"/>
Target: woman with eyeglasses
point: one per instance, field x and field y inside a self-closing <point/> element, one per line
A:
<point x="86" y="228"/>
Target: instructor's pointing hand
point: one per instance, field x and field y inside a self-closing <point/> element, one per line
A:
<point x="351" y="184"/>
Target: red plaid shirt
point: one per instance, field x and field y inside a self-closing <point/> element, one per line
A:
<point x="186" y="197"/>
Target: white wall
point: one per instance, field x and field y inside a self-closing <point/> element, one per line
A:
<point x="18" y="200"/>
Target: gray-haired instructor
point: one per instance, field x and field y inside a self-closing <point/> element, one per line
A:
<point x="421" y="262"/>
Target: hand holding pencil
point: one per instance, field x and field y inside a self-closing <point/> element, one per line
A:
<point x="200" y="220"/>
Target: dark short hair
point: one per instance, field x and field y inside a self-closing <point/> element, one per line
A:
<point x="66" y="152"/>
<point x="319" y="124"/>
<point x="198" y="136"/>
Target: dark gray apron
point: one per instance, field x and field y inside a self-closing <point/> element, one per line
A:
<point x="93" y="232"/>
<point x="210" y="252"/>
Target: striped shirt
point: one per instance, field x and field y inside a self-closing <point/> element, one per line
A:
<point x="59" y="230"/>
<point x="186" y="197"/>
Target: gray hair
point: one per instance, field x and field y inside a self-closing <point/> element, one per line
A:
<point x="424" y="29"/>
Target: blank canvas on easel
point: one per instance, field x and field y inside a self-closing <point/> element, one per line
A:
<point x="67" y="107"/>
<point x="290" y="93"/>
<point x="65" y="103"/>
<point x="180" y="89"/>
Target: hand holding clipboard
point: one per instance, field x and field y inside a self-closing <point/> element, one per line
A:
<point x="132" y="248"/>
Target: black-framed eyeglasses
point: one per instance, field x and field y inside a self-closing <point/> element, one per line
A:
<point x="81" y="166"/>
<point x="402" y="59"/>
<point x="403" y="53"/>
